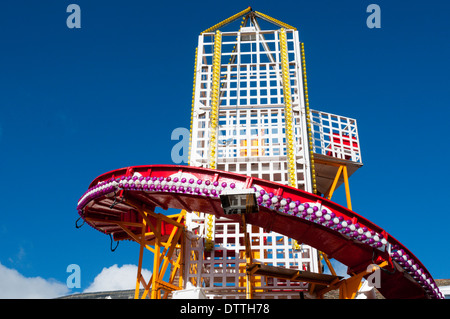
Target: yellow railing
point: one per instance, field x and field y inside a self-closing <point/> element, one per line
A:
<point x="228" y="20"/>
<point x="192" y="106"/>
<point x="290" y="145"/>
<point x="214" y="118"/>
<point x="308" y="121"/>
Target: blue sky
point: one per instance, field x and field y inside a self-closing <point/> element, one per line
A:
<point x="75" y="103"/>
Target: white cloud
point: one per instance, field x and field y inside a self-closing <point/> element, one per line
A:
<point x="117" y="278"/>
<point x="14" y="286"/>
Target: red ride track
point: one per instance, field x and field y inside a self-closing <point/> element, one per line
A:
<point x="405" y="277"/>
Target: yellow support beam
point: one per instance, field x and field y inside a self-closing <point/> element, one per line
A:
<point x="347" y="188"/>
<point x="170" y="248"/>
<point x="327" y="261"/>
<point x="139" y="278"/>
<point x="290" y="140"/>
<point x="244" y="12"/>
<point x="342" y="170"/>
<point x="308" y="121"/>
<point x="274" y="21"/>
<point x="330" y="192"/>
<point x="156" y="262"/>
<point x="215" y="97"/>
<point x="249" y="282"/>
<point x="227" y="21"/>
<point x="288" y="114"/>
<point x="162" y="253"/>
<point x="192" y="106"/>
<point x="214" y="118"/>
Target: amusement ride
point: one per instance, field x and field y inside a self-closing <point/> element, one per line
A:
<point x="256" y="217"/>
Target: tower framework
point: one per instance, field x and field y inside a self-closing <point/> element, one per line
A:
<point x="251" y="115"/>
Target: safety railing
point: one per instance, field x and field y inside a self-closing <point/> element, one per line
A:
<point x="335" y="135"/>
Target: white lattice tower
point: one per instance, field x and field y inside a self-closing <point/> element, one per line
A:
<point x="250" y="115"/>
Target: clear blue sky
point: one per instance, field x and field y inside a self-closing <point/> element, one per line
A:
<point x="75" y="103"/>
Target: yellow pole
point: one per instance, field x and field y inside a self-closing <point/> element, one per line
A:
<point x="333" y="186"/>
<point x="308" y="122"/>
<point x="169" y="249"/>
<point x="228" y="20"/>
<point x="141" y="255"/>
<point x="347" y="188"/>
<point x="156" y="261"/>
<point x="290" y="145"/>
<point x="248" y="260"/>
<point x="290" y="140"/>
<point x="214" y="118"/>
<point x="273" y="20"/>
<point x="192" y="106"/>
<point x="327" y="261"/>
